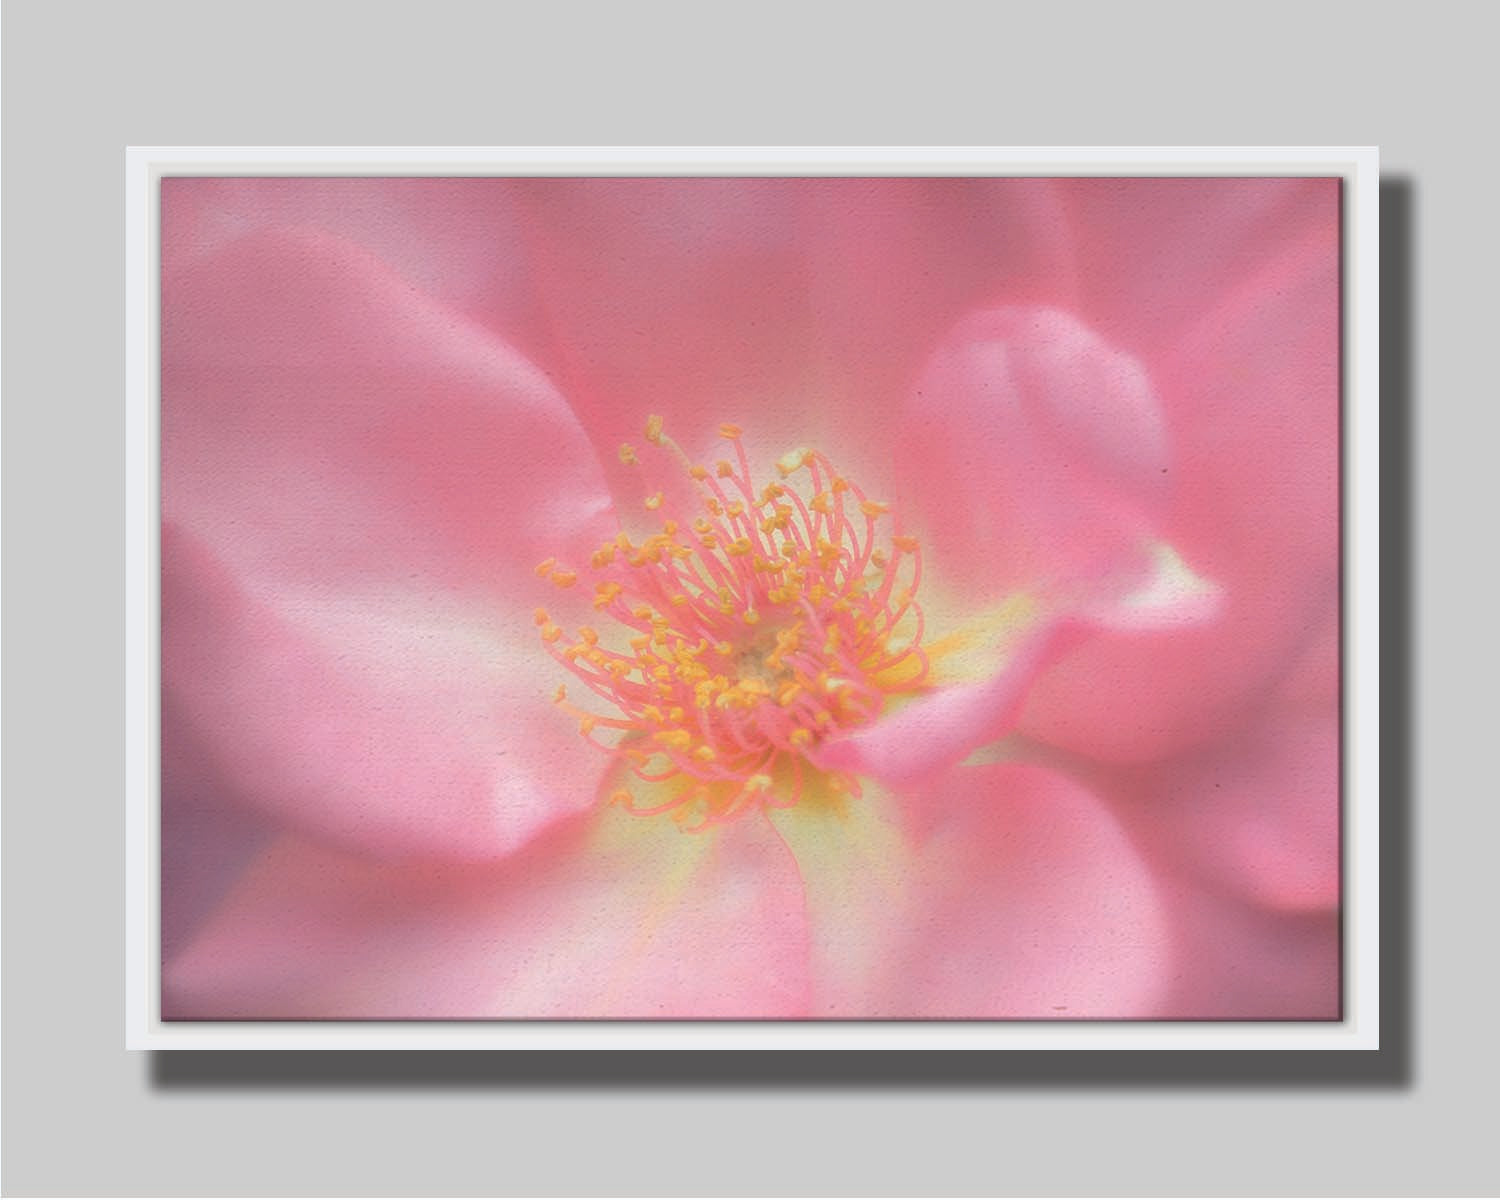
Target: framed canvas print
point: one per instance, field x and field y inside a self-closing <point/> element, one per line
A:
<point x="739" y="598"/>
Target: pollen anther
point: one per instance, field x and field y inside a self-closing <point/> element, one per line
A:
<point x="772" y="623"/>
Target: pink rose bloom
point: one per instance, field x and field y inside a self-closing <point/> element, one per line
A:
<point x="906" y="598"/>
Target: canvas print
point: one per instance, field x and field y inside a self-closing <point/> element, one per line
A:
<point x="750" y="598"/>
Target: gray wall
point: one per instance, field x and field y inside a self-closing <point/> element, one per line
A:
<point x="84" y="1117"/>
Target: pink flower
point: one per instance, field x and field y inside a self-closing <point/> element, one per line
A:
<point x="994" y="674"/>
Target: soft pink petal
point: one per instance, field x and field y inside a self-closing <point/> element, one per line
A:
<point x="1031" y="454"/>
<point x="619" y="917"/>
<point x="1315" y="681"/>
<point x="324" y="421"/>
<point x="402" y="725"/>
<point x="1018" y="896"/>
<point x="1241" y="962"/>
<point x="1257" y="816"/>
<point x="1035" y="905"/>
<point x="980" y="678"/>
<point x="893" y="264"/>
<point x="934" y="731"/>
<point x="460" y="240"/>
<point x="1162" y="252"/>
<point x="1252" y="398"/>
<point x="1252" y="394"/>
<point x="1034" y="458"/>
<point x="207" y="837"/>
<point x="356" y="485"/>
<point x="798" y="308"/>
<point x="679" y="297"/>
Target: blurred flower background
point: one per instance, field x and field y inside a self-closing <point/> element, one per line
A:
<point x="1082" y="763"/>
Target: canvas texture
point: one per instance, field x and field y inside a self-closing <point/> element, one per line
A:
<point x="767" y="599"/>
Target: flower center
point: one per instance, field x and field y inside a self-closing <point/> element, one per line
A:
<point x="751" y="629"/>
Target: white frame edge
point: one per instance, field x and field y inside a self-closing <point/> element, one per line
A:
<point x="1359" y="1029"/>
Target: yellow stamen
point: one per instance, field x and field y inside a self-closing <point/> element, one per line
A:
<point x="815" y="612"/>
<point x="792" y="460"/>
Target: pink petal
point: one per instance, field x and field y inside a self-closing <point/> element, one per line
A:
<point x="356" y="485"/>
<point x="935" y="731"/>
<point x="323" y="421"/>
<point x="206" y="837"/>
<point x="1036" y="905"/>
<point x="1162" y="252"/>
<point x="893" y="264"/>
<point x="1241" y="962"/>
<point x="1031" y="455"/>
<point x="1243" y="838"/>
<point x="1252" y="396"/>
<point x="997" y="658"/>
<point x="1258" y="816"/>
<point x="459" y="240"/>
<point x="1314" y="683"/>
<point x="1034" y="456"/>
<point x="403" y="725"/>
<point x="1024" y="899"/>
<point x="608" y="917"/>
<point x="678" y="297"/>
<point x="798" y="308"/>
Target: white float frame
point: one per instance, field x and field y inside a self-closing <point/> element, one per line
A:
<point x="1359" y="1028"/>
